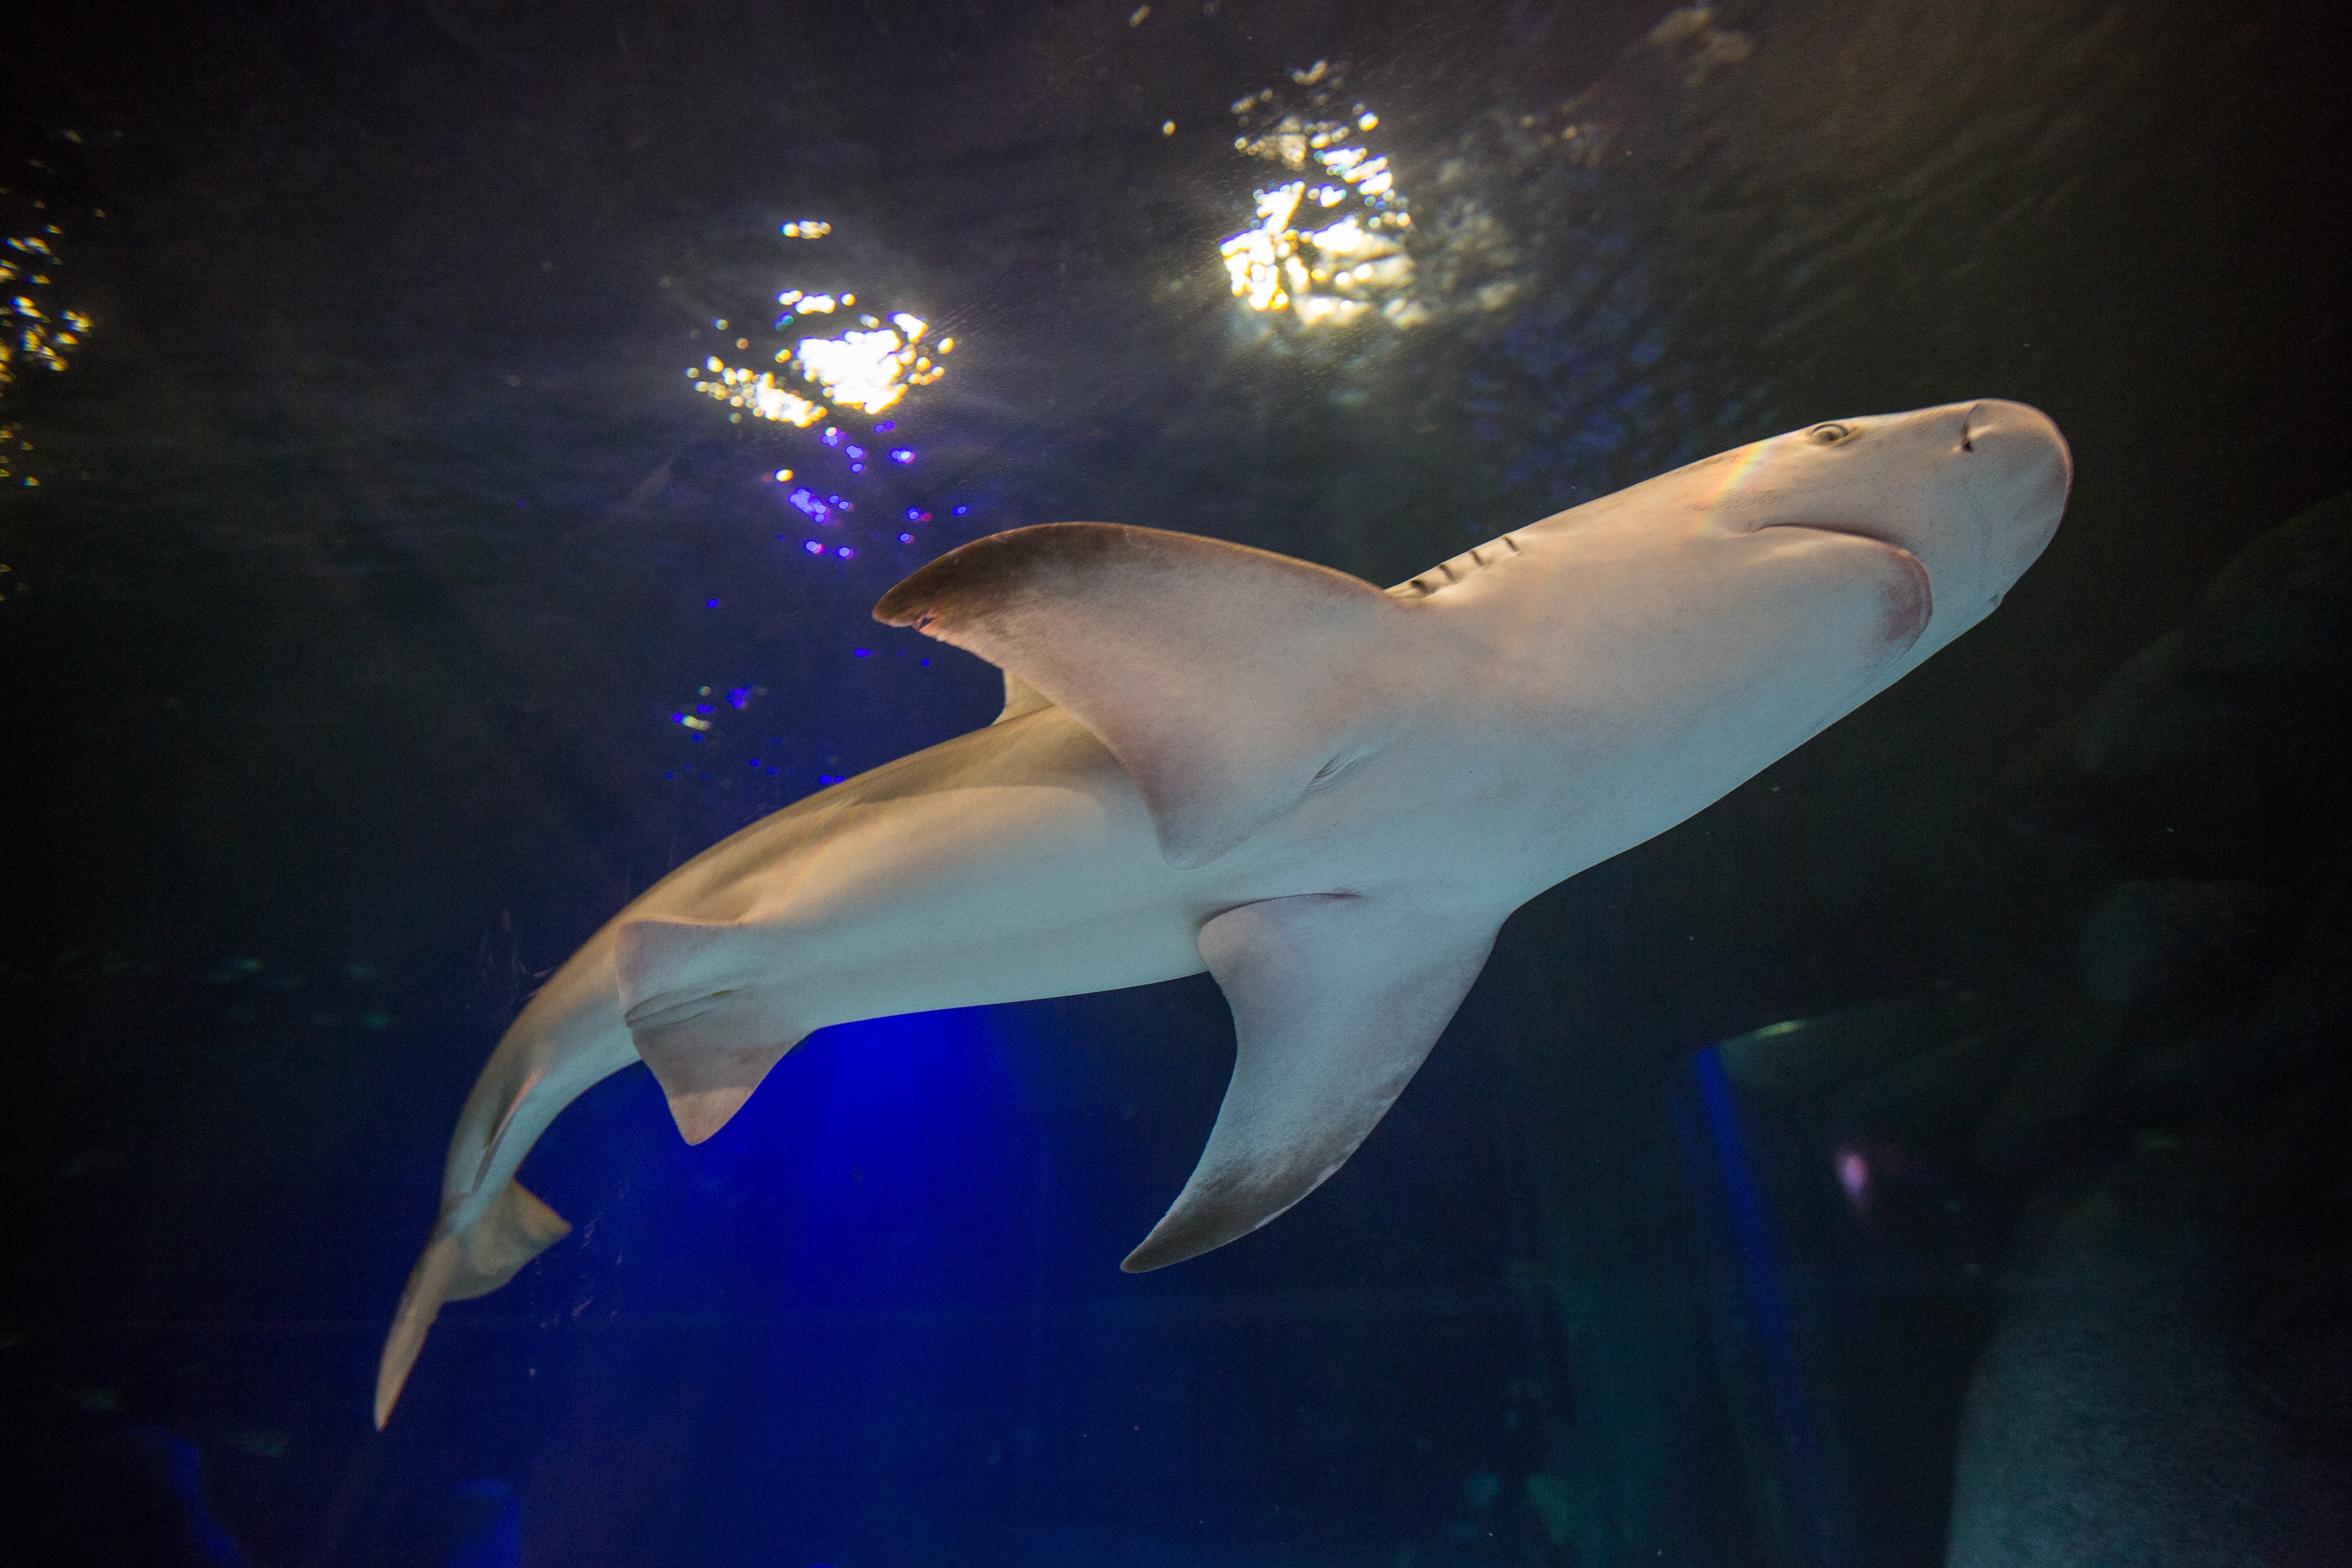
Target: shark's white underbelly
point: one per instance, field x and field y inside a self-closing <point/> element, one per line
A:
<point x="1012" y="863"/>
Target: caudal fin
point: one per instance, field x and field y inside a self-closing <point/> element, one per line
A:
<point x="458" y="1265"/>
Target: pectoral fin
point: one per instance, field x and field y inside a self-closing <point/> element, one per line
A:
<point x="1336" y="1002"/>
<point x="1225" y="680"/>
<point x="708" y="1039"/>
<point x="1020" y="699"/>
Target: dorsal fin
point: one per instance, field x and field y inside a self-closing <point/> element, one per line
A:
<point x="1224" y="678"/>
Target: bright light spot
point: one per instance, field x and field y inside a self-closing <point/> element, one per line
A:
<point x="1317" y="309"/>
<point x="1346" y="237"/>
<point x="782" y="474"/>
<point x="1274" y="265"/>
<point x="759" y="395"/>
<point x="814" y="548"/>
<point x="1167" y="128"/>
<point x="692" y="722"/>
<point x="1253" y="258"/>
<point x="1135" y="18"/>
<point x="34" y="329"/>
<point x="807" y="229"/>
<point x="844" y="552"/>
<point x="869" y="370"/>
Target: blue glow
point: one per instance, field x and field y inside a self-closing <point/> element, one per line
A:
<point x="709" y="604"/>
<point x="1767" y="1305"/>
<point x="902" y="454"/>
<point x="485" y="1526"/>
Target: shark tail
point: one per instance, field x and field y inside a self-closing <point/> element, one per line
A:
<point x="458" y="1264"/>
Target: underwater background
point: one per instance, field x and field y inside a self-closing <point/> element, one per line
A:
<point x="1934" y="1153"/>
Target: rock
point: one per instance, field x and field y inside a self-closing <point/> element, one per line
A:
<point x="2108" y="1421"/>
<point x="93" y="1490"/>
<point x="1933" y="1095"/>
<point x="2151" y="713"/>
<point x="2198" y="755"/>
<point x="2284" y="606"/>
<point x="2061" y="1098"/>
<point x="2173" y="942"/>
<point x="1807" y="1056"/>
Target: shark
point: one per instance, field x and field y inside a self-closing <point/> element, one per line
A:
<point x="1327" y="794"/>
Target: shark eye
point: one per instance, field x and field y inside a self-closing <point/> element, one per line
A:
<point x="1829" y="435"/>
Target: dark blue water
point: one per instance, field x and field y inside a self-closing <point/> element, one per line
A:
<point x="386" y="603"/>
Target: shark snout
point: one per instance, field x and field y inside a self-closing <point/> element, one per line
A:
<point x="2015" y="463"/>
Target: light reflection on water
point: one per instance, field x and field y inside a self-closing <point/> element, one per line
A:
<point x="866" y="369"/>
<point x="35" y="327"/>
<point x="1328" y="247"/>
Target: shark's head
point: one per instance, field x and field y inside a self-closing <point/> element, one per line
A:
<point x="1973" y="490"/>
